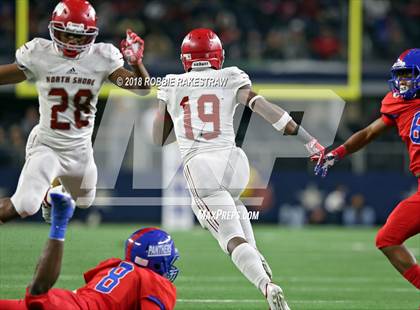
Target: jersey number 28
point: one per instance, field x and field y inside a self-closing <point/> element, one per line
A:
<point x="81" y="104"/>
<point x="213" y="117"/>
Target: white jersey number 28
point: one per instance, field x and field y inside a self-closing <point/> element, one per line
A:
<point x="81" y="103"/>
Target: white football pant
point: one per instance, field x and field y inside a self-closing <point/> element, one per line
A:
<point x="216" y="180"/>
<point x="75" y="168"/>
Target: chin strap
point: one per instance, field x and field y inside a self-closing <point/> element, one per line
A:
<point x="70" y="54"/>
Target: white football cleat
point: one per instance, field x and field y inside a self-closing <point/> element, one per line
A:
<point x="275" y="297"/>
<point x="46" y="203"/>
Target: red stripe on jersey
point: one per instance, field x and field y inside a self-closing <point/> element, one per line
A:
<point x="200" y="203"/>
<point x="135" y="237"/>
<point x="209" y="220"/>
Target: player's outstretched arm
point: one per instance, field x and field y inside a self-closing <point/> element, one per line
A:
<point x="11" y="74"/>
<point x="163" y="126"/>
<point x="356" y="142"/>
<point x="49" y="264"/>
<point x="365" y="136"/>
<point x="132" y="49"/>
<point x="279" y="118"/>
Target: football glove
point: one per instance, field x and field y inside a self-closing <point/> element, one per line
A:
<point x="326" y="162"/>
<point x="132" y="48"/>
<point x="62" y="211"/>
<point x="315" y="149"/>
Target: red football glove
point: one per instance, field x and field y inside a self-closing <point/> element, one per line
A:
<point x="315" y="149"/>
<point x="132" y="48"/>
<point x="324" y="163"/>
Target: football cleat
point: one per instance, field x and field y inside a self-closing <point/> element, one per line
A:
<point x="275" y="297"/>
<point x="154" y="249"/>
<point x="202" y="48"/>
<point x="46" y="203"/>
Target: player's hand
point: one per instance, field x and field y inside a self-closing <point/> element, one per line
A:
<point x="62" y="208"/>
<point x="132" y="48"/>
<point x="315" y="149"/>
<point x="326" y="162"/>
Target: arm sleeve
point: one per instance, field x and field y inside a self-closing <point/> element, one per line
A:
<point x="24" y="56"/>
<point x="388" y="119"/>
<point x="114" y="57"/>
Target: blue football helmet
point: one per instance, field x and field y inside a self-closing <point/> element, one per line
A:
<point x="405" y="74"/>
<point x="154" y="249"/>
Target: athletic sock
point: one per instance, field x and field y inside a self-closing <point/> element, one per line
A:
<point x="413" y="275"/>
<point x="245" y="223"/>
<point x="246" y="258"/>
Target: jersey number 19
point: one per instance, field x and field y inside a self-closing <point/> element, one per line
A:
<point x="213" y="117"/>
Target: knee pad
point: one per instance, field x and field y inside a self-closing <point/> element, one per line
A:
<point x="26" y="205"/>
<point x="223" y="221"/>
<point x="86" y="200"/>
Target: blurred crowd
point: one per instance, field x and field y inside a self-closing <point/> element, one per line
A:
<point x="14" y="132"/>
<point x="337" y="207"/>
<point x="250" y="30"/>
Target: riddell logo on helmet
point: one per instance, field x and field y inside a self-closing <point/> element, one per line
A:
<point x="399" y="63"/>
<point x="200" y="64"/>
<point x="159" y="250"/>
<point x="75" y="27"/>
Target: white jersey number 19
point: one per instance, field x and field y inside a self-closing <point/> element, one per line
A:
<point x="213" y="117"/>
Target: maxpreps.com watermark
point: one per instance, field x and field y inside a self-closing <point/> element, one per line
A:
<point x="204" y="82"/>
<point x="228" y="215"/>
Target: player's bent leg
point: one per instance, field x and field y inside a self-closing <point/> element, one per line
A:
<point x="7" y="211"/>
<point x="249" y="233"/>
<point x="247" y="260"/>
<point x="402" y="223"/>
<point x="245" y="223"/>
<point x="40" y="169"/>
<point x="82" y="187"/>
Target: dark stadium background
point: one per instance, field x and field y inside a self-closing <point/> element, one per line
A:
<point x="275" y="42"/>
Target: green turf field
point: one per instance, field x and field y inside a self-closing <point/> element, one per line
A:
<point x="319" y="268"/>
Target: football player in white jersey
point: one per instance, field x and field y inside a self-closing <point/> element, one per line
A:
<point x="216" y="170"/>
<point x="68" y="72"/>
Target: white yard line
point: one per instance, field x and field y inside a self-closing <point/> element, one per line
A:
<point x="245" y="301"/>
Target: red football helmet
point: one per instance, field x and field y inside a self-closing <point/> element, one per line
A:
<point x="202" y="48"/>
<point x="76" y="20"/>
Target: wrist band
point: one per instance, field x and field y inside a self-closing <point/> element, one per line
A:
<point x="341" y="151"/>
<point x="282" y="122"/>
<point x="252" y="101"/>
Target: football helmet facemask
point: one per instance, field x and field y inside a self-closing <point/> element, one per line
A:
<point x="73" y="26"/>
<point x="154" y="249"/>
<point x="405" y="74"/>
